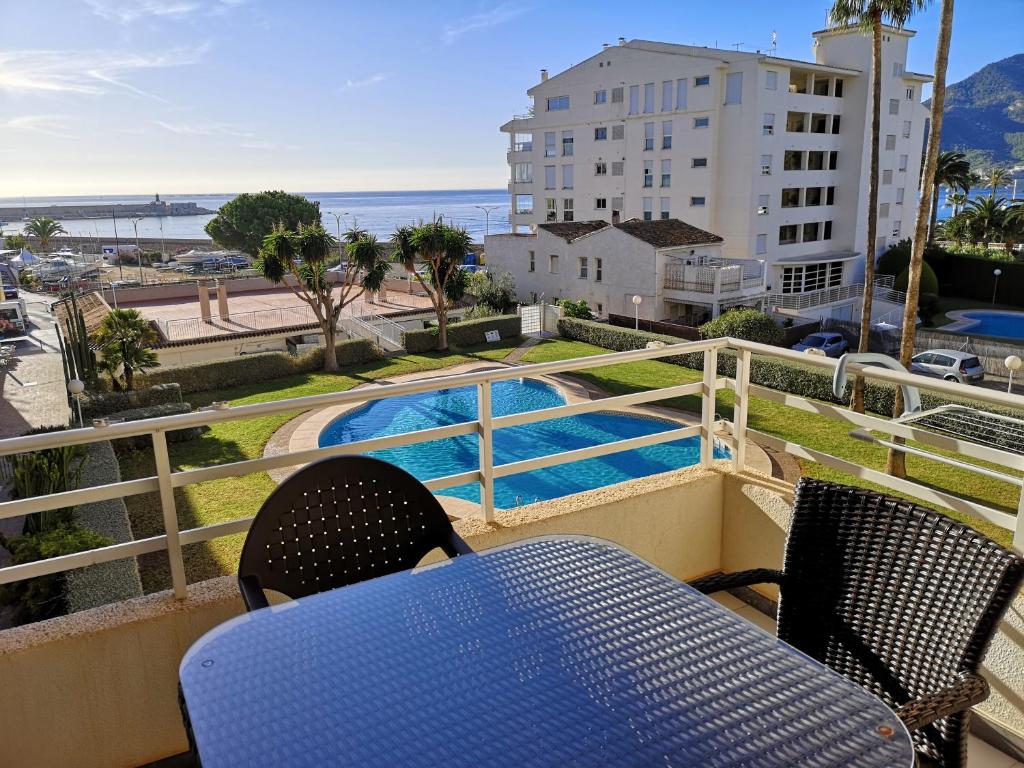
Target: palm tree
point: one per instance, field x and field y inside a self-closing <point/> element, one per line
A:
<point x="957" y="229"/>
<point x="998" y="177"/>
<point x="302" y="256"/>
<point x="987" y="217"/>
<point x="896" y="460"/>
<point x="1013" y="226"/>
<point x="953" y="171"/>
<point x="45" y="230"/>
<point x="124" y="338"/>
<point x="442" y="249"/>
<point x="958" y="200"/>
<point x="871" y="15"/>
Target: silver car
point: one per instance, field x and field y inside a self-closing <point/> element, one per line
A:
<point x="949" y="364"/>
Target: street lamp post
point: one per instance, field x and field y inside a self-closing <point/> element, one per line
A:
<point x="487" y="216"/>
<point x="1013" y="364"/>
<point x="138" y="251"/>
<point x="636" y="309"/>
<point x="995" y="284"/>
<point x="337" y="220"/>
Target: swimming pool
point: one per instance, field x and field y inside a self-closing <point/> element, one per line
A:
<point x="981" y="322"/>
<point x="439" y="458"/>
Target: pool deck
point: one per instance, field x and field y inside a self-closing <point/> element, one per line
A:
<point x="303" y="432"/>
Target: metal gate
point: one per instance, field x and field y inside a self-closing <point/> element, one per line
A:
<point x="532" y="316"/>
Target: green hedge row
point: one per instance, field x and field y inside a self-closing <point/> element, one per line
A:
<point x="104" y="403"/>
<point x="154" y="412"/>
<point x="469" y="333"/>
<point x="252" y="369"/>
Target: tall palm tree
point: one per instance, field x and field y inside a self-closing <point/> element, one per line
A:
<point x="45" y="229"/>
<point x="998" y="177"/>
<point x="872" y="15"/>
<point x="958" y="200"/>
<point x="896" y="460"/>
<point x="953" y="171"/>
<point x="987" y="216"/>
<point x="124" y="338"/>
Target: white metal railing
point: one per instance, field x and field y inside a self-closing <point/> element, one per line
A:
<point x="818" y="298"/>
<point x="166" y="479"/>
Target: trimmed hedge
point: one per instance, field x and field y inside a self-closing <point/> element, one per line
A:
<point x="154" y="412"/>
<point x="746" y="324"/>
<point x="104" y="403"/>
<point x="469" y="333"/>
<point x="252" y="369"/>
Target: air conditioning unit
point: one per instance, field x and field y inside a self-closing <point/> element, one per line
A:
<point x="762" y="210"/>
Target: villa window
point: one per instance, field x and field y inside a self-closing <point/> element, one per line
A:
<point x="616" y="95"/>
<point x="666" y="173"/>
<point x="583" y="267"/>
<point x="702" y="81"/>
<point x="812" y="196"/>
<point x="648" y="202"/>
<point x="634" y="99"/>
<point x="788" y="234"/>
<point x="566" y="143"/>
<point x="600" y="97"/>
<point x="648" y="173"/>
<point x="793" y="160"/>
<point x="699" y="162"/>
<point x="553" y="264"/>
<point x="601" y="134"/>
<point x="600" y="203"/>
<point x="771" y="80"/>
<point x="549" y="144"/>
<point x="821" y="86"/>
<point x="567" y="209"/>
<point x="761" y="246"/>
<point x="790" y="197"/>
<point x="598" y="271"/>
<point x="698" y="202"/>
<point x="533" y="262"/>
<point x="617" y="167"/>
<point x="910" y="93"/>
<point x="648" y="137"/>
<point x="894" y="106"/>
<point x="810" y="232"/>
<point x="666" y="96"/>
<point x="666" y="134"/>
<point x="618" y="132"/>
<point x="648" y="98"/>
<point x="815" y="161"/>
<point x="551" y="209"/>
<point x="558" y="103"/>
<point x="567" y="177"/>
<point x="701" y="122"/>
<point x="600" y="169"/>
<point x="549" y="177"/>
<point x="890" y="142"/>
<point x="768" y="124"/>
<point x="795" y="122"/>
<point x="666" y="203"/>
<point x="839" y="88"/>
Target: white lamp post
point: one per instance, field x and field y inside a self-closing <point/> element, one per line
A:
<point x="76" y="387"/>
<point x="636" y="309"/>
<point x="1013" y="364"/>
<point x="995" y="285"/>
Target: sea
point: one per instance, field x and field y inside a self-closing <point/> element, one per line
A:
<point x="377" y="212"/>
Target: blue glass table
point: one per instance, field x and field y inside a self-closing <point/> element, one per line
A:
<point x="549" y="652"/>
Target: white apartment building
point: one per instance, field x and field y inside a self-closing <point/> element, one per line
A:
<point x="769" y="153"/>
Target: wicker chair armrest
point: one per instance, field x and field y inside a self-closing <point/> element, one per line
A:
<point x="720" y="581"/>
<point x="969" y="690"/>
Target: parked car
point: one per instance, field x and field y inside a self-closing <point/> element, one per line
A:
<point x="832" y="344"/>
<point x="949" y="364"/>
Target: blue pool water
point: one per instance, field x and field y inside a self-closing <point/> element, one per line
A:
<point x="459" y="454"/>
<point x="1007" y="325"/>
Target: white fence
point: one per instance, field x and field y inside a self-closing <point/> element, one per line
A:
<point x="166" y="479"/>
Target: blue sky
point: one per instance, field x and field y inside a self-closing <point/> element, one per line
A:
<point x="140" y="96"/>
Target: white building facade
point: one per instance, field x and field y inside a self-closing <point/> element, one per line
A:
<point x="769" y="153"/>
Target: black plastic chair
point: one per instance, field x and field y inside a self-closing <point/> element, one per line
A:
<point x="338" y="522"/>
<point x="896" y="597"/>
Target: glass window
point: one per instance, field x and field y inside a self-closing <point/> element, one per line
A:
<point x="768" y="124"/>
<point x="648" y="136"/>
<point x="899" y="196"/>
<point x="762" y="204"/>
<point x="830" y="196"/>
<point x="567" y="209"/>
<point x="788" y="234"/>
<point x="600" y="169"/>
<point x="835" y="268"/>
<point x="598" y="271"/>
<point x="524" y="203"/>
<point x="648" y="173"/>
<point x="790" y="197"/>
<point x="897" y="228"/>
<point x="819" y="123"/>
<point x="533" y="261"/>
<point x="815" y="160"/>
<point x="551" y="209"/>
<point x="666" y="202"/>
<point x="583" y="267"/>
<point x="810" y="232"/>
<point x="618" y="132"/>
<point x="890" y="141"/>
<point x="734" y="87"/>
<point x="883" y="211"/>
<point x="897" y="69"/>
<point x="600" y="97"/>
<point x="553" y="263"/>
<point x="617" y="168"/>
<point x="666" y="173"/>
<point x="648" y="98"/>
<point x="821" y="86"/>
<point x="701" y="81"/>
<point x="910" y="93"/>
<point x="681" y="94"/>
<point x="766" y="165"/>
<point x="522" y="142"/>
<point x="699" y="162"/>
<point x="648" y="210"/>
<point x="666" y="134"/>
<point x="556" y="103"/>
<point x="906" y="129"/>
<point x="812" y="196"/>
<point x="835" y="124"/>
<point x="839" y="88"/>
<point x="697" y="201"/>
<point x="894" y="106"/>
<point x="792" y="279"/>
<point x="833" y="160"/>
<point x="793" y="160"/>
<point x="771" y="80"/>
<point x="887" y="177"/>
<point x="523" y="173"/>
<point x="762" y="245"/>
<point x="634" y="99"/>
<point x="549" y="144"/>
<point x="600" y="203"/>
<point x="903" y="163"/>
<point x="566" y="177"/>
<point x="796" y="122"/>
<point x="566" y="143"/>
<point x="600" y="134"/>
<point x="616" y="95"/>
<point x="827" y="235"/>
<point x="701" y="122"/>
<point x="666" y="96"/>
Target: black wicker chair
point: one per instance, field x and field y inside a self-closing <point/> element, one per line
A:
<point x="337" y="522"/>
<point x="896" y="597"/>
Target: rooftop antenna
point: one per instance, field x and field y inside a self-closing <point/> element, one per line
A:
<point x="775" y="41"/>
<point x="737" y="46"/>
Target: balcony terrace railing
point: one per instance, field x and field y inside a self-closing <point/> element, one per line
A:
<point x="166" y="479"/>
<point x="716" y="276"/>
<point x="810" y="299"/>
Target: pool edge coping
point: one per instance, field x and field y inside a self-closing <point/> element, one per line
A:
<point x="962" y="323"/>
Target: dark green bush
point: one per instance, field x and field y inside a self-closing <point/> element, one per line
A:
<point x="103" y="403"/>
<point x="748" y="324"/>
<point x="927" y="307"/>
<point x="894" y="260"/>
<point x="251" y="369"/>
<point x="153" y="412"/>
<point x="929" y="282"/>
<point x="469" y="333"/>
<point x="576" y="309"/>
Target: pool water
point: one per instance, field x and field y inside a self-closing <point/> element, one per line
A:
<point x="439" y="458"/>
<point x="1006" y="325"/>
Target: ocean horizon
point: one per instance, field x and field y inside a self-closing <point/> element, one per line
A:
<point x="377" y="212"/>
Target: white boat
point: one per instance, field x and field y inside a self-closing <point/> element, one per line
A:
<point x="62" y="266"/>
<point x="198" y="257"/>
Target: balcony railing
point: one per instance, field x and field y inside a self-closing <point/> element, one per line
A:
<point x="810" y="299"/>
<point x="166" y="478"/>
<point x="716" y="276"/>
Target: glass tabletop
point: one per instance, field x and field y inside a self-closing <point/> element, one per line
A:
<point x="559" y="651"/>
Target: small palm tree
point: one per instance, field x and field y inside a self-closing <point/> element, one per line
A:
<point x="957" y="229"/>
<point x="124" y="338"/>
<point x="987" y="217"/>
<point x="998" y="177"/>
<point x="45" y="229"/>
<point x="958" y="200"/>
<point x="953" y="171"/>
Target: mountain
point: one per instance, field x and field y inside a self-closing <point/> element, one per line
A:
<point x="985" y="113"/>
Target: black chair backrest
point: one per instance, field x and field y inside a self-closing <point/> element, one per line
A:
<point x="896" y="597"/>
<point x="340" y="521"/>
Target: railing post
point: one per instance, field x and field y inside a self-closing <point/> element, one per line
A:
<point x="170" y="511"/>
<point x="739" y="412"/>
<point x="486" y="441"/>
<point x="707" y="419"/>
<point x="1018" y="531"/>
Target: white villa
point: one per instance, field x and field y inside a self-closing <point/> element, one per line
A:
<point x="771" y="154"/>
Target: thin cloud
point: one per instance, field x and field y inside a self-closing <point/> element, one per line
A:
<point x="129" y="11"/>
<point x="88" y="72"/>
<point x="268" y="146"/>
<point x="48" y="125"/>
<point x="496" y="16"/>
<point x="205" y="128"/>
<point x="364" y="83"/>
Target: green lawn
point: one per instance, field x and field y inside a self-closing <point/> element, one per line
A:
<point x="235" y="497"/>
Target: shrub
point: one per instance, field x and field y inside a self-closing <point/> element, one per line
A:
<point x="104" y="403"/>
<point x="495" y="294"/>
<point x="468" y="333"/>
<point x="748" y="324"/>
<point x="577" y="309"/>
<point x="251" y="369"/>
<point x="929" y="282"/>
<point x="927" y="307"/>
<point x="895" y="259"/>
<point x="153" y="412"/>
<point x="39" y="473"/>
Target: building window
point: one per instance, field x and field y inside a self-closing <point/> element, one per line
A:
<point x="600" y="134"/>
<point x="906" y="129"/>
<point x="792" y="279"/>
<point x="566" y="143"/>
<point x="701" y="122"/>
<point x="600" y="203"/>
<point x="810" y="232"/>
<point x="617" y="204"/>
<point x="567" y="209"/>
<point x="549" y="144"/>
<point x="666" y="134"/>
<point x="815" y="160"/>
<point x="771" y="80"/>
<point x="617" y="168"/>
<point x="883" y="211"/>
<point x="618" y="132"/>
<point x="648" y="201"/>
<point x="524" y="203"/>
<point x="600" y="97"/>
<point x="790" y="197"/>
<point x="897" y="227"/>
<point x="600" y="169"/>
<point x="701" y="81"/>
<point x="666" y="96"/>
<point x="903" y="163"/>
<point x="522" y="142"/>
<point x="761" y="247"/>
<point x="788" y="234"/>
<point x="734" y="88"/>
<point x="666" y="173"/>
<point x="634" y="99"/>
<point x="899" y="196"/>
<point x="551" y="209"/>
<point x="616" y="95"/>
<point x="766" y="165"/>
<point x="910" y="93"/>
<point x="549" y="177"/>
<point x="820" y="87"/>
<point x="697" y="202"/>
<point x="583" y="267"/>
<point x="762" y="204"/>
<point x="681" y="94"/>
<point x="598" y="274"/>
<point x="835" y="124"/>
<point x="557" y="103"/>
<point x="648" y="136"/>
<point x="897" y="69"/>
<point x="666" y="202"/>
<point x="523" y="173"/>
<point x="890" y="142"/>
<point x="894" y="106"/>
<point x="648" y="173"/>
<point x="553" y="264"/>
<point x="830" y="196"/>
<point x="768" y="124"/>
<point x="567" y="177"/>
<point x="833" y="160"/>
<point x="812" y="196"/>
<point x="699" y="162"/>
<point x="795" y="122"/>
<point x="648" y="98"/>
<point x="819" y="123"/>
<point x="793" y="160"/>
<point x="839" y="88"/>
<point x="533" y="262"/>
<point x="887" y="177"/>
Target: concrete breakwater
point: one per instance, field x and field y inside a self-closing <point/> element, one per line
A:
<point x="72" y="211"/>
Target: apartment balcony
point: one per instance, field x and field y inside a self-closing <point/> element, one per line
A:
<point x="99" y="687"/>
<point x="819" y="298"/>
<point x="705" y="280"/>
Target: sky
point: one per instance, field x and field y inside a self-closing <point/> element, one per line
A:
<point x="205" y="96"/>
